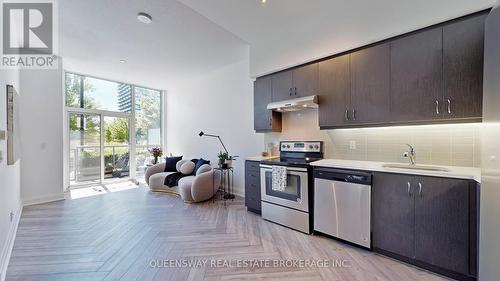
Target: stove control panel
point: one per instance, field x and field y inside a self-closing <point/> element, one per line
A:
<point x="301" y="146"/>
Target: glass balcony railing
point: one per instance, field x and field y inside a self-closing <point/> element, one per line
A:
<point x="85" y="162"/>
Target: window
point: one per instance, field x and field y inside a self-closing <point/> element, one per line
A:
<point x="147" y="116"/>
<point x="93" y="93"/>
<point x="102" y="114"/>
<point x="147" y="124"/>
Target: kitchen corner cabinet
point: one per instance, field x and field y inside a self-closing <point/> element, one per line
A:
<point x="252" y="186"/>
<point x="265" y="120"/>
<point x="295" y="83"/>
<point x="428" y="221"/>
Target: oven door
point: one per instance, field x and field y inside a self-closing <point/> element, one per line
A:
<point x="295" y="194"/>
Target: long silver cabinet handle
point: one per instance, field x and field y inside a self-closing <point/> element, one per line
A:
<point x="347" y="115"/>
<point x="437" y="107"/>
<point x="449" y="106"/>
<point x="420" y="189"/>
<point x="409" y="187"/>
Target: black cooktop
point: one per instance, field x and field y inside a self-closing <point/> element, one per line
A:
<point x="297" y="153"/>
<point x="290" y="161"/>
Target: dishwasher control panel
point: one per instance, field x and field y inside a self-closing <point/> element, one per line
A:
<point x="343" y="175"/>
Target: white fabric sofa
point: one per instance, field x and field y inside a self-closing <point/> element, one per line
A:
<point x="195" y="188"/>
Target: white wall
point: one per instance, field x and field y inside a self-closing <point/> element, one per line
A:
<point x="220" y="103"/>
<point x="10" y="194"/>
<point x="41" y="134"/>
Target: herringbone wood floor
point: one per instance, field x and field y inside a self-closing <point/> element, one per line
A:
<point x="117" y="236"/>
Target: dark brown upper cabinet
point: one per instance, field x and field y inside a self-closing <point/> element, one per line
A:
<point x="416" y="76"/>
<point x="370" y="84"/>
<point x="305" y="80"/>
<point x="298" y="82"/>
<point x="282" y="88"/>
<point x="463" y="48"/>
<point x="433" y="75"/>
<point x="265" y="120"/>
<point x="334" y="92"/>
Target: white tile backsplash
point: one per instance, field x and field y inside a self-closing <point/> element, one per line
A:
<point x="452" y="145"/>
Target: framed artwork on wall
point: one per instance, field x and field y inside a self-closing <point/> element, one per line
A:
<point x="12" y="125"/>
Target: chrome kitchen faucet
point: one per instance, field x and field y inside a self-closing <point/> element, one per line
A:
<point x="410" y="154"/>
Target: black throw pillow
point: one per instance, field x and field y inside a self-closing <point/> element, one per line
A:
<point x="200" y="163"/>
<point x="170" y="163"/>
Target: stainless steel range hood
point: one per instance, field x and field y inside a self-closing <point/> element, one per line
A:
<point x="294" y="104"/>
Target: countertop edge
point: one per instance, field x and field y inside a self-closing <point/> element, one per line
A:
<point x="377" y="167"/>
<point x="260" y="158"/>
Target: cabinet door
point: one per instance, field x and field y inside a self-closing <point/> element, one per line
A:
<point x="262" y="97"/>
<point x="416" y="76"/>
<point x="442" y="223"/>
<point x="370" y="84"/>
<point x="282" y="86"/>
<point x="463" y="50"/>
<point x="393" y="213"/>
<point x="334" y="92"/>
<point x="305" y="81"/>
<point x="252" y="186"/>
<point x="265" y="120"/>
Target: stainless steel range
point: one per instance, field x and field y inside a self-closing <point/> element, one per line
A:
<point x="290" y="205"/>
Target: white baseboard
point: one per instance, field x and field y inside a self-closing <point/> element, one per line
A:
<point x="239" y="192"/>
<point x="9" y="244"/>
<point x="43" y="199"/>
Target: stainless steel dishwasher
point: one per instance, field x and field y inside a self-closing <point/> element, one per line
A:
<point x="342" y="204"/>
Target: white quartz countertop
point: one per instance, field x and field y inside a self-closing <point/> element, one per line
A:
<point x="261" y="158"/>
<point x="453" y="171"/>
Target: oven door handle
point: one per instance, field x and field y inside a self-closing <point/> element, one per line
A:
<point x="291" y="169"/>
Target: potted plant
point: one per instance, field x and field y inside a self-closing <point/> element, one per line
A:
<point x="225" y="160"/>
<point x="229" y="160"/>
<point x="156" y="152"/>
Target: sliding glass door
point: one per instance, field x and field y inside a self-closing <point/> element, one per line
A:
<point x="84" y="149"/>
<point x="116" y="148"/>
<point x="99" y="148"/>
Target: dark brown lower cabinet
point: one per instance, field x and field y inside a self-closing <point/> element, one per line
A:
<point x="441" y="223"/>
<point x="427" y="221"/>
<point x="252" y="186"/>
<point x="393" y="214"/>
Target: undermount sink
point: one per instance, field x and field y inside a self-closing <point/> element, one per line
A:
<point x="416" y="167"/>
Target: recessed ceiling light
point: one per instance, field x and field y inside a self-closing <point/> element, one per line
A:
<point x="122" y="61"/>
<point x="263" y="1"/>
<point x="144" y="18"/>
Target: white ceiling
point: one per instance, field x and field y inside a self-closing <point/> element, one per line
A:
<point x="179" y="44"/>
<point x="191" y="37"/>
<point x="282" y="33"/>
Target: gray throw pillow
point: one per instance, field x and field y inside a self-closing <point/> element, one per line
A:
<point x="187" y="168"/>
<point x="203" y="169"/>
<point x="179" y="164"/>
